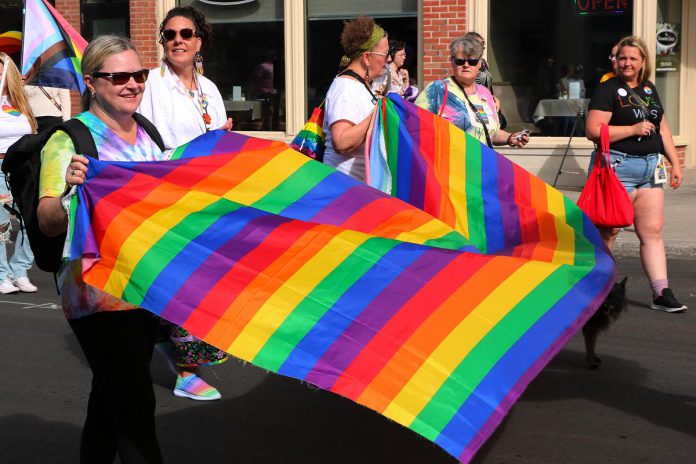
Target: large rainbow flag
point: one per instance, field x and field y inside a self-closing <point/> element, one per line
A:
<point x="301" y="270"/>
<point x="51" y="48"/>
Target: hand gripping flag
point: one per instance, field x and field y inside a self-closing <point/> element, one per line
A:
<point x="301" y="270"/>
<point x="51" y="48"/>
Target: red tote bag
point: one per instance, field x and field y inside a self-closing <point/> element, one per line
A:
<point x="604" y="199"/>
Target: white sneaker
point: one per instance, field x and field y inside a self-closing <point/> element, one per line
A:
<point x="7" y="287"/>
<point x="24" y="285"/>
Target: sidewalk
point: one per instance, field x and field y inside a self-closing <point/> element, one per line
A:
<point x="680" y="221"/>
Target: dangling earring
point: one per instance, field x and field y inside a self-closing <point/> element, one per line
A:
<point x="367" y="75"/>
<point x="198" y="61"/>
<point x="163" y="66"/>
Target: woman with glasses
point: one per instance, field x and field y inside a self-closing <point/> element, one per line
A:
<point x="183" y="104"/>
<point x="179" y="100"/>
<point x="640" y="138"/>
<point x="116" y="338"/>
<point x="16" y="120"/>
<point x="463" y="102"/>
<point x="393" y="79"/>
<point x="350" y="100"/>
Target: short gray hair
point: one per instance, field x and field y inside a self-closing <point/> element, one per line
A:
<point x="469" y="45"/>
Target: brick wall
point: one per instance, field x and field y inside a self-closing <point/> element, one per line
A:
<point x="70" y="10"/>
<point x="143" y="30"/>
<point x="443" y="21"/>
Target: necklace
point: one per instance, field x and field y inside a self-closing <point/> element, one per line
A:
<point x="197" y="97"/>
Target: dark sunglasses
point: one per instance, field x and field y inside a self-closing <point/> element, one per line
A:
<point x="122" y="78"/>
<point x="186" y="33"/>
<point x="461" y="61"/>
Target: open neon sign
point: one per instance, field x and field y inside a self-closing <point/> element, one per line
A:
<point x="601" y="7"/>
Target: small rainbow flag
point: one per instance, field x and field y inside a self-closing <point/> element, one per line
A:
<point x="51" y="48"/>
<point x="10" y="42"/>
<point x="304" y="271"/>
<point x="311" y="140"/>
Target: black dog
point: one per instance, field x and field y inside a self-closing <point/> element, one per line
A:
<point x="606" y="314"/>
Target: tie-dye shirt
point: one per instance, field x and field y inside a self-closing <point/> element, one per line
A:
<point x="457" y="110"/>
<point x="79" y="299"/>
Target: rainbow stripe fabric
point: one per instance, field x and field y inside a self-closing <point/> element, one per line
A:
<point x="311" y="140"/>
<point x="51" y="48"/>
<point x="10" y="42"/>
<point x="304" y="271"/>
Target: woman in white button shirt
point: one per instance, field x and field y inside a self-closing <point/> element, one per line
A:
<point x="16" y="120"/>
<point x="181" y="102"/>
<point x="184" y="104"/>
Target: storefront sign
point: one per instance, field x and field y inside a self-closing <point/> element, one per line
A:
<point x="668" y="53"/>
<point x="226" y="2"/>
<point x="601" y="7"/>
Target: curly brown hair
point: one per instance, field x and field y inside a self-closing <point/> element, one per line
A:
<point x="203" y="28"/>
<point x="355" y="33"/>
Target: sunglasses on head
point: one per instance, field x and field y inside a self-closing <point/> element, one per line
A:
<point x="461" y="61"/>
<point x="186" y="33"/>
<point x="122" y="78"/>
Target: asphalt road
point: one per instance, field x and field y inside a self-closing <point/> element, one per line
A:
<point x="639" y="407"/>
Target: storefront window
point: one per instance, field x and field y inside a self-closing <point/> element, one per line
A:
<point x="668" y="58"/>
<point x="324" y="24"/>
<point x="101" y="17"/>
<point x="246" y="60"/>
<point x="541" y="52"/>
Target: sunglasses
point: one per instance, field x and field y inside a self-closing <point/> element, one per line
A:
<point x="186" y="33"/>
<point x="461" y="61"/>
<point x="122" y="78"/>
<point x="379" y="53"/>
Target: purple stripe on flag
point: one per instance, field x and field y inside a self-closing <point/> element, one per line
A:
<point x="512" y="231"/>
<point x="352" y="341"/>
<point x="345" y="206"/>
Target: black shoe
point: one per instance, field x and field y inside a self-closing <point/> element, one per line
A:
<point x="668" y="303"/>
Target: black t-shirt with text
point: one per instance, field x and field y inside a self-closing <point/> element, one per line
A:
<point x="613" y="95"/>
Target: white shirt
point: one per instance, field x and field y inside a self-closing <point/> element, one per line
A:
<point x="177" y="115"/>
<point x="349" y="100"/>
<point x="12" y="127"/>
<point x="42" y="106"/>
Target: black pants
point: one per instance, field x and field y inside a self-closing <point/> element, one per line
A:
<point x="121" y="411"/>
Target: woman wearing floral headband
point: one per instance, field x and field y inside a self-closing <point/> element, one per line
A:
<point x="350" y="101"/>
<point x="184" y="104"/>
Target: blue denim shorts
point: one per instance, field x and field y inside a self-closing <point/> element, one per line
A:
<point x="634" y="172"/>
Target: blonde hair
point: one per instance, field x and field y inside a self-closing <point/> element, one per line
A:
<point x="633" y="41"/>
<point x="97" y="52"/>
<point x="15" y="88"/>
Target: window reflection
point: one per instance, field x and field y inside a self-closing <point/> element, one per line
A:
<point x="547" y="66"/>
<point x="246" y="61"/>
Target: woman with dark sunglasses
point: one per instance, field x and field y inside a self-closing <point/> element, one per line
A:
<point x="463" y="102"/>
<point x="116" y="338"/>
<point x="183" y="104"/>
<point x="179" y="100"/>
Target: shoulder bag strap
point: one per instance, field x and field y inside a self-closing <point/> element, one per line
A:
<point x="478" y="116"/>
<point x="81" y="137"/>
<point x="356" y="76"/>
<point x="444" y="98"/>
<point x="150" y="129"/>
<point x="640" y="101"/>
<point x="53" y="100"/>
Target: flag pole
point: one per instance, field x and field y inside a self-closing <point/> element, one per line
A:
<point x="24" y="26"/>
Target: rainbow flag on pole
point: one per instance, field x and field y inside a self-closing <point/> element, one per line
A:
<point x="51" y="48"/>
<point x="304" y="271"/>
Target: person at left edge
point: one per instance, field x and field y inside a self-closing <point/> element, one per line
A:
<point x="183" y="104"/>
<point x="116" y="337"/>
<point x="16" y="120"/>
